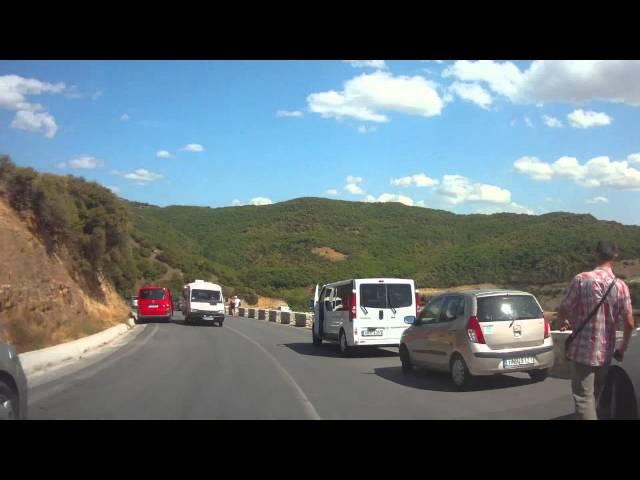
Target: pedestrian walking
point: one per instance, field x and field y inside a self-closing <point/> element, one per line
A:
<point x="594" y="304"/>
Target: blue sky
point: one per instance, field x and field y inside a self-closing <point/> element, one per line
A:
<point x="465" y="136"/>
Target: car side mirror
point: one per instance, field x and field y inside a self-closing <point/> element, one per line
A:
<point x="410" y="320"/>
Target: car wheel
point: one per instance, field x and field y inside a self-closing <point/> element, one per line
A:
<point x="9" y="403"/>
<point x="345" y="350"/>
<point x="462" y="379"/>
<point x="617" y="401"/>
<point x="539" y="375"/>
<point x="317" y="341"/>
<point x="405" y="359"/>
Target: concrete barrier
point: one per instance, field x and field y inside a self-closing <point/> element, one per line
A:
<point x="285" y="318"/>
<point x="274" y="316"/>
<point x="300" y="319"/>
<point x="262" y="314"/>
<point x="51" y="356"/>
<point x="241" y="311"/>
<point x="252" y="313"/>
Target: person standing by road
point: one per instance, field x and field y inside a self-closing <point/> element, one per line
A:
<point x="237" y="304"/>
<point x="593" y="304"/>
<point x="231" y="306"/>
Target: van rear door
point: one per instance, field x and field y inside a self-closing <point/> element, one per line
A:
<point x="382" y="308"/>
<point x="151" y="302"/>
<point x="510" y="321"/>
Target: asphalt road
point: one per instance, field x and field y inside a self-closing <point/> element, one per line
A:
<point x="252" y="369"/>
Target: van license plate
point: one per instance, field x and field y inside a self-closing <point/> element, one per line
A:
<point x="372" y="333"/>
<point x="153" y="306"/>
<point x="518" y="362"/>
<point x="207" y="317"/>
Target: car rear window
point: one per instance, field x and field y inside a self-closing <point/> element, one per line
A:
<point x="508" y="307"/>
<point x="381" y="295"/>
<point x="152" y="294"/>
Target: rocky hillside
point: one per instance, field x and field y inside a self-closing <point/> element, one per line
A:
<point x="41" y="304"/>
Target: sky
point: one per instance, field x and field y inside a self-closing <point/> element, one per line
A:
<point x="465" y="136"/>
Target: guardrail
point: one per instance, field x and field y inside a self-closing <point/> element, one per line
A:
<point x="295" y="319"/>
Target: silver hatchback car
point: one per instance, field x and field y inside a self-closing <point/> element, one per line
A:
<point x="479" y="332"/>
<point x="13" y="385"/>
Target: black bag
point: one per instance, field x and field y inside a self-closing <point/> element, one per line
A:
<point x="575" y="333"/>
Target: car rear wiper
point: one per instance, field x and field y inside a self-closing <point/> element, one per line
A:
<point x="389" y="303"/>
<point x="364" y="310"/>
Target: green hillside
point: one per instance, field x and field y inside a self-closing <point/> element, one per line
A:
<point x="269" y="248"/>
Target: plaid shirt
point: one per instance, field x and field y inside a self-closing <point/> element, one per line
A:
<point x="596" y="342"/>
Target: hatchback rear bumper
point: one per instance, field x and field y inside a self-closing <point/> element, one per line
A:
<point x="491" y="363"/>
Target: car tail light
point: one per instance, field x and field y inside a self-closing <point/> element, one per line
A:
<point x="546" y="327"/>
<point x="474" y="331"/>
<point x="354" y="310"/>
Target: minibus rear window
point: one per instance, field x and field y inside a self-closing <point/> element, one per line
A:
<point x="152" y="294"/>
<point x="379" y="295"/>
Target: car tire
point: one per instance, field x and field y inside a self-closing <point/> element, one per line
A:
<point x="539" y="375"/>
<point x="317" y="341"/>
<point x="345" y="350"/>
<point x="617" y="401"/>
<point x="460" y="375"/>
<point x="9" y="402"/>
<point x="405" y="360"/>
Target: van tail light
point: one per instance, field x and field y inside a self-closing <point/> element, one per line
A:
<point x="417" y="303"/>
<point x="354" y="310"/>
<point x="546" y="327"/>
<point x="474" y="331"/>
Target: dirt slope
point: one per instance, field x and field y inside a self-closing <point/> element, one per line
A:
<point x="40" y="303"/>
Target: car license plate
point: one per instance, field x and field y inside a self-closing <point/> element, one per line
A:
<point x="518" y="362"/>
<point x="372" y="333"/>
<point x="153" y="306"/>
<point x="207" y="317"/>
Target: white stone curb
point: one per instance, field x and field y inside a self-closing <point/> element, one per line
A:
<point x="51" y="356"/>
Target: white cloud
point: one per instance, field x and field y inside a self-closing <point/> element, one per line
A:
<point x="420" y="203"/>
<point x="512" y="207"/>
<point x="14" y="91"/>
<point x="634" y="158"/>
<point x="472" y="92"/>
<point x="61" y="165"/>
<point x="597" y="172"/>
<point x="287" y="113"/>
<point x="332" y="191"/>
<point x="113" y="189"/>
<point x="365" y="129"/>
<point x="42" y="122"/>
<point x="598" y="200"/>
<point x="163" y="154"/>
<point x="140" y="175"/>
<point x="353" y="185"/>
<point x="379" y="64"/>
<point x="533" y="167"/>
<point x="237" y="203"/>
<point x="366" y="96"/>
<point x="570" y="81"/>
<point x="581" y="119"/>
<point x="528" y="122"/>
<point x="86" y="162"/>
<point x="193" y="147"/>
<point x="389" y="197"/>
<point x="260" y="201"/>
<point x="124" y="117"/>
<point x="456" y="189"/>
<point x="419" y="180"/>
<point x="73" y="93"/>
<point x="552" y="122"/>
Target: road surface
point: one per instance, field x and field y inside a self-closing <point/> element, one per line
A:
<point x="253" y="369"/>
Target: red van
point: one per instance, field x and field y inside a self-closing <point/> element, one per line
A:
<point x="154" y="302"/>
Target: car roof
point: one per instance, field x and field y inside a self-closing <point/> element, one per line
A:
<point x="484" y="292"/>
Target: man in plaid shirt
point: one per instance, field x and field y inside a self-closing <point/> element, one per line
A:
<point x="591" y="351"/>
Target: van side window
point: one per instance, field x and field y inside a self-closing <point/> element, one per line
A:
<point x="343" y="295"/>
<point x="432" y="311"/>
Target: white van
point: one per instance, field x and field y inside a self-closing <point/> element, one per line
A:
<point x="203" y="301"/>
<point x="363" y="312"/>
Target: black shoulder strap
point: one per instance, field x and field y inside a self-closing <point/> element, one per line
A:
<point x="595" y="310"/>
